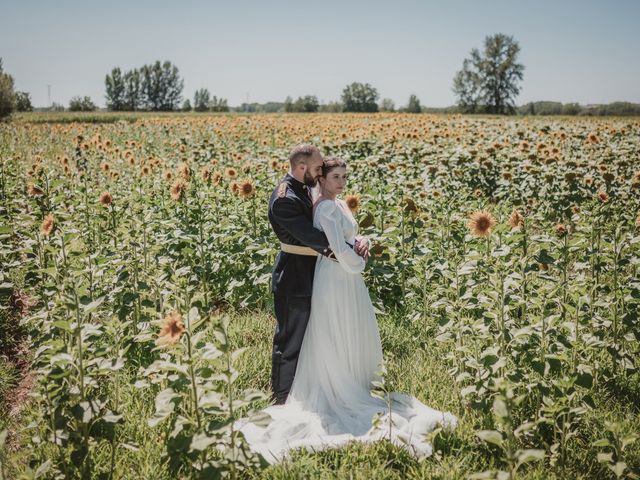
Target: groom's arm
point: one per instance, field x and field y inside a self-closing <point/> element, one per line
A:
<point x="289" y="216"/>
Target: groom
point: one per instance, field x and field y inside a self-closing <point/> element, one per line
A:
<point x="290" y="215"/>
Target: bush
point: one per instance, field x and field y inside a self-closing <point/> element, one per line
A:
<point x="23" y="102"/>
<point x="84" y="104"/>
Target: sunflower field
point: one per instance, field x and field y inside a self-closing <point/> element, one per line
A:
<point x="136" y="315"/>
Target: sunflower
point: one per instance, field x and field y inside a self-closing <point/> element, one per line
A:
<point x="481" y="223"/>
<point x="603" y="196"/>
<point x="34" y="190"/>
<point x="353" y="202"/>
<point x="246" y="188"/>
<point x="409" y="205"/>
<point x="184" y="171"/>
<point x="231" y="172"/>
<point x="561" y="229"/>
<point x="234" y="187"/>
<point x="104" y="166"/>
<point x="171" y="330"/>
<point x="168" y="175"/>
<point x="105" y="199"/>
<point x="145" y="170"/>
<point x="215" y="179"/>
<point x="205" y="174"/>
<point x="47" y="225"/>
<point x="516" y="220"/>
<point x="177" y="189"/>
<point x="377" y="250"/>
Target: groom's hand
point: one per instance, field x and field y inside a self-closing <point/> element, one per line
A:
<point x="361" y="247"/>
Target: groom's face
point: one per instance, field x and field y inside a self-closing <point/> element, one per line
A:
<point x="314" y="170"/>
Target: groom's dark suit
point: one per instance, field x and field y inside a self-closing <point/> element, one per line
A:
<point x="290" y="215"/>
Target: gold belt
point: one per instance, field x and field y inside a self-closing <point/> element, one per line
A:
<point x="298" y="250"/>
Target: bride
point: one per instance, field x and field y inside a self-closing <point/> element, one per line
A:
<point x="330" y="402"/>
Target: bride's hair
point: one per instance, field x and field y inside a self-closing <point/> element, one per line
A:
<point x="329" y="163"/>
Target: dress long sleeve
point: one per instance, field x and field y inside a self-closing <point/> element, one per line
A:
<point x="331" y="224"/>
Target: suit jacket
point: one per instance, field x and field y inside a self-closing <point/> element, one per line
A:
<point x="291" y="217"/>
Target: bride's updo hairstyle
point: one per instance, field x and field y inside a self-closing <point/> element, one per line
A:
<point x="330" y="163"/>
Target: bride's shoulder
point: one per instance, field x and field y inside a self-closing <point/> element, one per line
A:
<point x="325" y="205"/>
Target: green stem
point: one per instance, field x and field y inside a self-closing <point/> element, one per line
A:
<point x="192" y="374"/>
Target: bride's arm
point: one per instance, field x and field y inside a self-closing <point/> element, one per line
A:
<point x="349" y="260"/>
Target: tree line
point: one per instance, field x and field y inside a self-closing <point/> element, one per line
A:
<point x="155" y="87"/>
<point x="488" y="82"/>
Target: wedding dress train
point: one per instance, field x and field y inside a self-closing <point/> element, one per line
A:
<point x="330" y="403"/>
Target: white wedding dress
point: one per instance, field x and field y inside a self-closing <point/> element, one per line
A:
<point x="330" y="403"/>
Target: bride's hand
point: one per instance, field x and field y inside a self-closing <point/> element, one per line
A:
<point x="361" y="247"/>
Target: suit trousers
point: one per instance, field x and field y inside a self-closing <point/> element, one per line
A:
<point x="292" y="315"/>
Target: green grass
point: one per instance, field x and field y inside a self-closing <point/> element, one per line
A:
<point x="416" y="365"/>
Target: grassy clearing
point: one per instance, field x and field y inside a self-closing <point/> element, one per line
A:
<point x="416" y="365"/>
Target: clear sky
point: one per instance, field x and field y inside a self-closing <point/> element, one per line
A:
<point x="573" y="50"/>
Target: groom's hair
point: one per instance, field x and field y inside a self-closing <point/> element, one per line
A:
<point x="301" y="153"/>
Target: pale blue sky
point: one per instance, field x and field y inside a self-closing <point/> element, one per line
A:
<point x="574" y="51"/>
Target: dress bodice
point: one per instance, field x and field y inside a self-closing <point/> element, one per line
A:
<point x="334" y="218"/>
<point x="343" y="217"/>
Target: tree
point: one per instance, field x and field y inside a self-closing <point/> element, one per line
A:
<point x="218" y="104"/>
<point x="116" y="87"/>
<point x="56" y="107"/>
<point x="84" y="104"/>
<point x="308" y="103"/>
<point x="186" y="106"/>
<point x="331" y="107"/>
<point x="23" y="102"/>
<point x="7" y="95"/>
<point x="161" y="86"/>
<point x="387" y="105"/>
<point x="570" y="109"/>
<point x="288" y="105"/>
<point x="466" y="85"/>
<point x="414" y="105"/>
<point x="490" y="80"/>
<point x="201" y="100"/>
<point x="360" y="98"/>
<point x="132" y="90"/>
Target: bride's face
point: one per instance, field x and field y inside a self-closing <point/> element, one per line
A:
<point x="335" y="182"/>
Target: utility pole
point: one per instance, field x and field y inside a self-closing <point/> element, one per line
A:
<point x="49" y="96"/>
